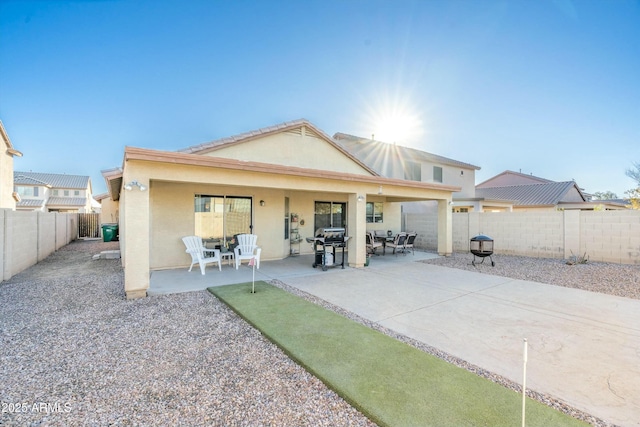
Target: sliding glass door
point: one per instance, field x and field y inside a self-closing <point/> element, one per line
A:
<point x="222" y="217"/>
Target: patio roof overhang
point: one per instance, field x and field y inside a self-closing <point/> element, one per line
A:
<point x="279" y="176"/>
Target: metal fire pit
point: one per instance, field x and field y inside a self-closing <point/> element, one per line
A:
<point x="481" y="246"/>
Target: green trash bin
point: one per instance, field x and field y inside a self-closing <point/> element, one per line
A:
<point x="109" y="232"/>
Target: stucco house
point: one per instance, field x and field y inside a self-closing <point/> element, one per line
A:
<point x="7" y="197"/>
<point x="50" y="192"/>
<point x="255" y="182"/>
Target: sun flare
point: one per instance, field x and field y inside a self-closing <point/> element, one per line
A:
<point x="395" y="122"/>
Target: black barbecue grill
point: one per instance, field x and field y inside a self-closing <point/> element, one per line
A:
<point x="325" y="242"/>
<point x="481" y="246"/>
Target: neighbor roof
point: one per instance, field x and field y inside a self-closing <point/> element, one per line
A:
<point x="66" y="201"/>
<point x="548" y="193"/>
<point x="12" y="151"/>
<point x="508" y="178"/>
<point x="30" y="203"/>
<point x="51" y="179"/>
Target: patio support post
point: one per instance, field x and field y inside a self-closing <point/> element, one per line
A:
<point x="445" y="228"/>
<point x="357" y="229"/>
<point x="135" y="236"/>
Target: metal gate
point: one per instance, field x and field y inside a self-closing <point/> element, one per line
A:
<point x="88" y="225"/>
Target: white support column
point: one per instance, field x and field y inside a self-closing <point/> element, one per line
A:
<point x="445" y="228"/>
<point x="357" y="229"/>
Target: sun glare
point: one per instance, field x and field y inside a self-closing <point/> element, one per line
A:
<point x="395" y="122"/>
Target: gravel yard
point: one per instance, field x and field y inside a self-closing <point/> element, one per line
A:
<point x="607" y="278"/>
<point x="73" y="351"/>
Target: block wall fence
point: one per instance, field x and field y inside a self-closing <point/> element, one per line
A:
<point x="604" y="236"/>
<point x="27" y="238"/>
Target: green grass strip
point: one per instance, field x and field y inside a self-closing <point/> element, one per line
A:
<point x="390" y="382"/>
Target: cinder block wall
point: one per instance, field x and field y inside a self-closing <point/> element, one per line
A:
<point x="29" y="237"/>
<point x="610" y="236"/>
<point x="606" y="236"/>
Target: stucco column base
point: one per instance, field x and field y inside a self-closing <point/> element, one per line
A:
<point x="137" y="293"/>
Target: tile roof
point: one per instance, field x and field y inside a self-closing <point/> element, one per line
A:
<point x="51" y="179"/>
<point x="30" y="203"/>
<point x="508" y="178"/>
<point x="548" y="193"/>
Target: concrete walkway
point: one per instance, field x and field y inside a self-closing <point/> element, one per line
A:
<point x="584" y="347"/>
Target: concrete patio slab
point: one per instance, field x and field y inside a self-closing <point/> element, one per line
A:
<point x="584" y="347"/>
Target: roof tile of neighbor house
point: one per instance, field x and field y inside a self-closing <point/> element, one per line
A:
<point x="51" y="179"/>
<point x="66" y="201"/>
<point x="30" y="203"/>
<point x="509" y="178"/>
<point x="547" y="193"/>
<point x="365" y="148"/>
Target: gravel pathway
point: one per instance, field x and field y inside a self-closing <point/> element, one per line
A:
<point x="74" y="352"/>
<point x="607" y="278"/>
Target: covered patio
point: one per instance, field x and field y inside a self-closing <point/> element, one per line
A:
<point x="178" y="280"/>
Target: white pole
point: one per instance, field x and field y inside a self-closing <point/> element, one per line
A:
<point x="524" y="382"/>
<point x="253" y="275"/>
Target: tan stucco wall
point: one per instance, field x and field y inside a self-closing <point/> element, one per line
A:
<point x="6" y="180"/>
<point x="109" y="211"/>
<point x="173" y="217"/>
<point x="293" y="149"/>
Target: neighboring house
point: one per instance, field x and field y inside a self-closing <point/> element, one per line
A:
<point x="7" y="197"/>
<point x="49" y="192"/>
<point x="514" y="191"/>
<point x="255" y="182"/>
<point x="395" y="161"/>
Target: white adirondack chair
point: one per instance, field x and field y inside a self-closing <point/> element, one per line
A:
<point x="247" y="249"/>
<point x="200" y="254"/>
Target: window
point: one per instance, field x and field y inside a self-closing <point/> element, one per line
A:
<point x="437" y="174"/>
<point x="27" y="191"/>
<point x="412" y="171"/>
<point x="55" y="192"/>
<point x="76" y="192"/>
<point x="222" y="217"/>
<point x="66" y="193"/>
<point x="374" y="211"/>
<point x="330" y="214"/>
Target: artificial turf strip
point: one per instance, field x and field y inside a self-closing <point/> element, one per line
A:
<point x="390" y="382"/>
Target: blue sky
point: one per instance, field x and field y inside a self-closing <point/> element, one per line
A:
<point x="549" y="87"/>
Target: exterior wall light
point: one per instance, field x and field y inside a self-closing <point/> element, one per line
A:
<point x="361" y="198"/>
<point x="134" y="183"/>
<point x="262" y="203"/>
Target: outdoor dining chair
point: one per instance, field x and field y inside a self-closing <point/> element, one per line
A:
<point x="397" y="244"/>
<point x="372" y="244"/>
<point x="408" y="244"/>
